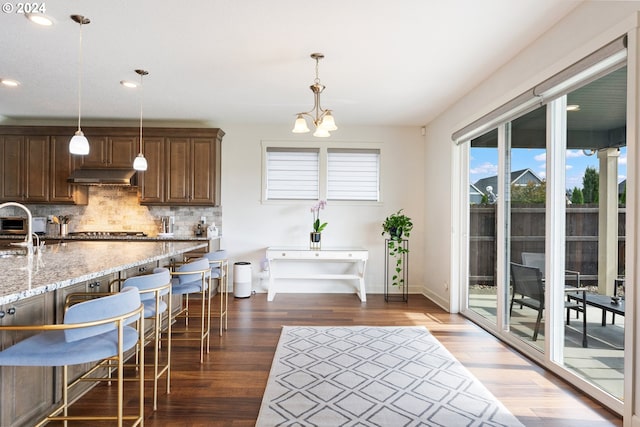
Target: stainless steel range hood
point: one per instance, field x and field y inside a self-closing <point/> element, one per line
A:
<point x="102" y="177"/>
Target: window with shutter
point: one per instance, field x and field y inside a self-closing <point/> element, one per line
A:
<point x="292" y="173"/>
<point x="353" y="174"/>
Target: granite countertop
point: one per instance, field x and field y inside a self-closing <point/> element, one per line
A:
<point x="57" y="237"/>
<point x="63" y="264"/>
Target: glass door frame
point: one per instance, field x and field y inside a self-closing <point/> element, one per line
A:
<point x="552" y="356"/>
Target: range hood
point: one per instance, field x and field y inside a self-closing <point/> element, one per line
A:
<point x="102" y="177"/>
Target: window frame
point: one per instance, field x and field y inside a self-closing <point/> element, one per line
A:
<point x="323" y="147"/>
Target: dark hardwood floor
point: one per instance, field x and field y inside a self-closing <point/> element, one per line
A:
<point x="226" y="390"/>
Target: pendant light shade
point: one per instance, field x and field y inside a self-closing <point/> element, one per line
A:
<point x="79" y="143"/>
<point x="300" y="125"/>
<point x="140" y="163"/>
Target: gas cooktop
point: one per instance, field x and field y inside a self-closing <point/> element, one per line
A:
<point x="108" y="234"/>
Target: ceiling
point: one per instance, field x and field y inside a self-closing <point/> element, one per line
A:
<point x="248" y="61"/>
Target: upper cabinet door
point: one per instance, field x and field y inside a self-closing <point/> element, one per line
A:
<point x="36" y="160"/>
<point x="122" y="151"/>
<point x="11" y="168"/>
<point x="202" y="171"/>
<point x="178" y="170"/>
<point x="111" y="152"/>
<point x="151" y="181"/>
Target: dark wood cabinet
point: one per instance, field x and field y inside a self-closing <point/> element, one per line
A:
<point x="26" y="391"/>
<point x="25" y="168"/>
<point x="187" y="171"/>
<point x="183" y="163"/>
<point x="110" y="151"/>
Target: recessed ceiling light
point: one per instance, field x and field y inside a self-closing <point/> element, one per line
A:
<point x="573" y="107"/>
<point x="129" y="84"/>
<point x="40" y="19"/>
<point x="9" y="82"/>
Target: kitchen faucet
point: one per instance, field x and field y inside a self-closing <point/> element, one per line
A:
<point x="28" y="240"/>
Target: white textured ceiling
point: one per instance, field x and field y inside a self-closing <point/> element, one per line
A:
<point x="247" y="61"/>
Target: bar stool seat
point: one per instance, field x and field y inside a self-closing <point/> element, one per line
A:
<point x="92" y="331"/>
<point x="154" y="289"/>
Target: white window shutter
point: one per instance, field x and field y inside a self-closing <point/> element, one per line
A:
<point x="353" y="174"/>
<point x="292" y="174"/>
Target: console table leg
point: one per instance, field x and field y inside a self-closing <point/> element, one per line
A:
<point x="271" y="292"/>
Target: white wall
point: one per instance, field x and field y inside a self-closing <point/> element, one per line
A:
<point x="250" y="226"/>
<point x="588" y="27"/>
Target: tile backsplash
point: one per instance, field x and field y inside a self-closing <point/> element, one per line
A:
<point x="116" y="208"/>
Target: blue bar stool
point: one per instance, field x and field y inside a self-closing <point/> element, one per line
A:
<point x="219" y="264"/>
<point x="194" y="278"/>
<point x="92" y="331"/>
<point x="155" y="294"/>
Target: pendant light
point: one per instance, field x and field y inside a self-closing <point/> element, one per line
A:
<point x="322" y="119"/>
<point x="140" y="163"/>
<point x="79" y="143"/>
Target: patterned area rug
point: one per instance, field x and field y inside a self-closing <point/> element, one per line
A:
<point x="373" y="376"/>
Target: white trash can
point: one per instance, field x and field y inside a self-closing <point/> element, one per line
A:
<point x="242" y="279"/>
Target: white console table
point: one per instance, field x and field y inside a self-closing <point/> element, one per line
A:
<point x="278" y="255"/>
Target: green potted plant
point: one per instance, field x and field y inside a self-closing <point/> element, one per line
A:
<point x="397" y="227"/>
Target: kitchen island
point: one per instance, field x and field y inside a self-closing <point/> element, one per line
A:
<point x="33" y="291"/>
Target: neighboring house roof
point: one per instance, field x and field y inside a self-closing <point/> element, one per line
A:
<point x="475" y="195"/>
<point x="519" y="177"/>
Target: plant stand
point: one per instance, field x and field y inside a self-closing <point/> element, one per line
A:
<point x="399" y="293"/>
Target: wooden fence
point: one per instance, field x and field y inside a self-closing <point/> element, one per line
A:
<point x="528" y="235"/>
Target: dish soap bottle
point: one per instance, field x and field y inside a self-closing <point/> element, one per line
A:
<point x="212" y="231"/>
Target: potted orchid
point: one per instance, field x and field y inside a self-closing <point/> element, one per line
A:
<point x="318" y="226"/>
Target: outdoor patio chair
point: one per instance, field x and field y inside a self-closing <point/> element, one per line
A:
<point x="528" y="291"/>
<point x="536" y="259"/>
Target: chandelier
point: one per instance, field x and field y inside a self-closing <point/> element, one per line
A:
<point x="322" y="119"/>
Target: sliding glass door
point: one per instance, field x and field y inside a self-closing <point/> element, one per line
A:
<point x="595" y="165"/>
<point x="546" y="235"/>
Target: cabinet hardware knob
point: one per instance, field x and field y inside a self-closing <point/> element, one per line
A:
<point x="11" y="311"/>
<point x="2" y="313"/>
